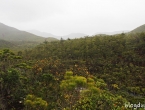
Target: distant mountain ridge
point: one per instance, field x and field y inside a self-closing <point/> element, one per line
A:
<point x="39" y="33"/>
<point x="45" y="34"/>
<point x="74" y="35"/>
<point x="12" y="34"/>
<point x="111" y="33"/>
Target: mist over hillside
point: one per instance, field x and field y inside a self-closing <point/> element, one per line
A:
<point x="6" y="44"/>
<point x="39" y="33"/>
<point x="112" y="33"/>
<point x="73" y="35"/>
<point x="46" y="35"/>
<point x="11" y="37"/>
<point x="12" y="34"/>
<point x="139" y="29"/>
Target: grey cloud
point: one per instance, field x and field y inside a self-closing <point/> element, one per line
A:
<point x="61" y="17"/>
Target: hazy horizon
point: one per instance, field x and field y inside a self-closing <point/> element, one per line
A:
<point x="63" y="17"/>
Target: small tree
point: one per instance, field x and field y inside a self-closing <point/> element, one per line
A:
<point x="71" y="87"/>
<point x="35" y="103"/>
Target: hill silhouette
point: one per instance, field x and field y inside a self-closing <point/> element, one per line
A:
<point x="12" y="34"/>
<point x="49" y="35"/>
<point x="139" y="29"/>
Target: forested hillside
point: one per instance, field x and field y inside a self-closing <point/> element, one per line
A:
<point x="15" y="39"/>
<point x="12" y="34"/>
<point x="92" y="73"/>
<point x="139" y="29"/>
<point x="5" y="44"/>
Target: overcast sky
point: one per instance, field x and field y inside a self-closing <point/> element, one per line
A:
<point x="62" y="17"/>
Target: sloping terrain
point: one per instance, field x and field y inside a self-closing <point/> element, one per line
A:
<point x="139" y="29"/>
<point x="13" y="34"/>
<point x="6" y="44"/>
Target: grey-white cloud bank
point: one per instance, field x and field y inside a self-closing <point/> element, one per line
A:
<point x="61" y="17"/>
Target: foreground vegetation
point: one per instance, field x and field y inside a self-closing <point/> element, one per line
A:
<point x="91" y="73"/>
